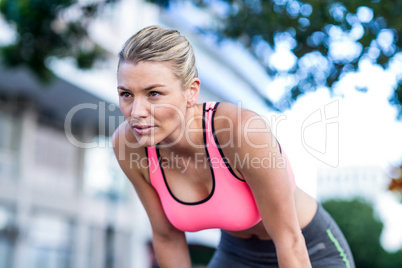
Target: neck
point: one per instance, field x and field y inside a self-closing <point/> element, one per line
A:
<point x="189" y="139"/>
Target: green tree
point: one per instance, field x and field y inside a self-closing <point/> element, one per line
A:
<point x="314" y="29"/>
<point x="50" y="29"/>
<point x="362" y="230"/>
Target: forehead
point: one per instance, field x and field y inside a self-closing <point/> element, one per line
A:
<point x="146" y="73"/>
<point x="145" y="68"/>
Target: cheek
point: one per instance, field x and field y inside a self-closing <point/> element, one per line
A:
<point x="170" y="114"/>
<point x="125" y="109"/>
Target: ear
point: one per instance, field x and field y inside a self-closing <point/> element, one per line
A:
<point x="193" y="92"/>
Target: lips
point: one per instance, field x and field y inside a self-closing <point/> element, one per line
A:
<point x="143" y="129"/>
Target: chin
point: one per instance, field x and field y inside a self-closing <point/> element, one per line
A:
<point x="153" y="138"/>
<point x="147" y="140"/>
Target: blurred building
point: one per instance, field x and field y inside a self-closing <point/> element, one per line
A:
<point x="366" y="182"/>
<point x="47" y="217"/>
<point x="63" y="200"/>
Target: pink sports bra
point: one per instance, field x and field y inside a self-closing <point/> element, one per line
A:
<point x="229" y="206"/>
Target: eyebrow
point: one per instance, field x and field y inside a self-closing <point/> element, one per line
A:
<point x="144" y="89"/>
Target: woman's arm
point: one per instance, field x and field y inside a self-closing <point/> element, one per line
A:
<point x="267" y="177"/>
<point x="169" y="243"/>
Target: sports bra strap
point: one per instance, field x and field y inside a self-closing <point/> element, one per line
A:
<point x="209" y="109"/>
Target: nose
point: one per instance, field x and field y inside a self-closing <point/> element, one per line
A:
<point x="139" y="109"/>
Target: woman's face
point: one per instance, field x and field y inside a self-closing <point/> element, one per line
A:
<point x="152" y="100"/>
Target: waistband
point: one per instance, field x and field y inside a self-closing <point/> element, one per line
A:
<point x="320" y="220"/>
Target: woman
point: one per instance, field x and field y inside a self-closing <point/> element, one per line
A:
<point x="199" y="166"/>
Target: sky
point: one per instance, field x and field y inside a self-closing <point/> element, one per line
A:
<point x="369" y="133"/>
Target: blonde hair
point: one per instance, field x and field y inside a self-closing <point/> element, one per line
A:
<point x="159" y="44"/>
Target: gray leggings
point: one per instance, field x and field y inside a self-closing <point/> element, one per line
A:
<point x="326" y="245"/>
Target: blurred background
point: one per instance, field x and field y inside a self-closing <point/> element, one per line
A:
<point x="327" y="75"/>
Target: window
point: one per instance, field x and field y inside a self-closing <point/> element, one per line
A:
<point x="102" y="174"/>
<point x="50" y="241"/>
<point x="53" y="150"/>
<point x="9" y="145"/>
<point x="8" y="235"/>
<point x="96" y="256"/>
<point x="109" y="247"/>
<point x="55" y="160"/>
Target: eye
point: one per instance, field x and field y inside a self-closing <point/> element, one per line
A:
<point x="154" y="94"/>
<point x="125" y="94"/>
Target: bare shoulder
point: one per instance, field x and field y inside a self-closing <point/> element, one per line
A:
<point x="239" y="123"/>
<point x="130" y="155"/>
<point x="236" y="113"/>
